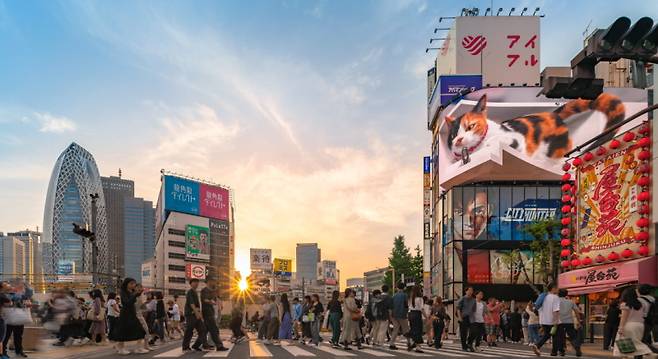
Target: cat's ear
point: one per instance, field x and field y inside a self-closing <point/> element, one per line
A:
<point x="481" y="106"/>
<point x="449" y="119"/>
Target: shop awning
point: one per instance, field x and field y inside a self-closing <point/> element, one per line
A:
<point x="601" y="278"/>
<point x="595" y="288"/>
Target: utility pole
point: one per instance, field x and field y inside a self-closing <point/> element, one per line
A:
<point x="92" y="239"/>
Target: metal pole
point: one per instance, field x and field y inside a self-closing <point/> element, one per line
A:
<point x="94" y="247"/>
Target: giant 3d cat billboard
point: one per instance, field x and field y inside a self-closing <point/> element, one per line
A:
<point x="507" y="134"/>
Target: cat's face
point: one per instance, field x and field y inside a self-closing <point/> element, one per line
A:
<point x="468" y="130"/>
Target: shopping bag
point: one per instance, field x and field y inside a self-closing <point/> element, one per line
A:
<point x="17" y="316"/>
<point x="625" y="345"/>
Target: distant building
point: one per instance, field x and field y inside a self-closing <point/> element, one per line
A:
<point x="308" y="256"/>
<point x="74" y="179"/>
<point x="355" y="282"/>
<point x="374" y="279"/>
<point x="33" y="254"/>
<point x="115" y="190"/>
<point x="12" y="253"/>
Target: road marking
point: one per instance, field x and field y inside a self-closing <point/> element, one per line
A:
<point x="401" y="351"/>
<point x="258" y="350"/>
<point x="174" y="353"/>
<point x="218" y="354"/>
<point x="297" y="351"/>
<point x="336" y="352"/>
<point x="376" y="353"/>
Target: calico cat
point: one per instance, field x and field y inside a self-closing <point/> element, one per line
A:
<point x="541" y="135"/>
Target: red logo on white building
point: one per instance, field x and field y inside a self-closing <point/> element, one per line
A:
<point x="474" y="44"/>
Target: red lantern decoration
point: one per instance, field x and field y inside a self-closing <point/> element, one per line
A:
<point x="644" y="142"/>
<point x="627" y="253"/>
<point x="565" y="264"/>
<point x="644" y="181"/>
<point x="566" y="177"/>
<point x="643" y="251"/>
<point x="566" y="221"/>
<point x="566" y="208"/>
<point x="629" y="136"/>
<point x="644" y="209"/>
<point x="587" y="261"/>
<point x="588" y="156"/>
<point x="645" y="168"/>
<point x="577" y="161"/>
<point x="614" y="144"/>
<point x="601" y="151"/>
<point x="613" y="256"/>
<point x="565" y="253"/>
<point x="642" y="222"/>
<point x="566" y="198"/>
<point x="566" y="187"/>
<point x="565" y="232"/>
<point x="643" y="196"/>
<point x="566" y="166"/>
<point x="575" y="262"/>
<point x="565" y="242"/>
<point x="642" y="236"/>
<point x="644" y="129"/>
<point x="600" y="259"/>
<point x="644" y="155"/>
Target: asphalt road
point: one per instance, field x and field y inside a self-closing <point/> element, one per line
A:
<point x="254" y="349"/>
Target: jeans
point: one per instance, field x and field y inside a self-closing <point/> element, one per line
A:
<point x="564" y="330"/>
<point x="533" y="333"/>
<point x="192" y="324"/>
<point x="464" y="327"/>
<point x="544" y="338"/>
<point x="609" y="333"/>
<point x="334" y="323"/>
<point x="17" y="330"/>
<point x="315" y="331"/>
<point x="438" y="326"/>
<point x="213" y="330"/>
<point x="475" y="333"/>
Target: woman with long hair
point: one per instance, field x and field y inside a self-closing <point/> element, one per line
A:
<point x="285" y="328"/>
<point x="631" y="326"/>
<point x="306" y="322"/>
<point x="416" y="304"/>
<point x="98" y="326"/>
<point x="351" y="321"/>
<point x="438" y="318"/>
<point x="335" y="314"/>
<point x="128" y="326"/>
<point x="317" y="310"/>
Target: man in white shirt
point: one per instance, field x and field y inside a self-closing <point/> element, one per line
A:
<point x="477" y="325"/>
<point x="549" y="315"/>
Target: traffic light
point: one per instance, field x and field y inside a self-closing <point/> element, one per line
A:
<point x="83" y="232"/>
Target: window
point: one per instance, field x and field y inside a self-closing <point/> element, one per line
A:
<point x="176" y="255"/>
<point x="178" y="292"/>
<point x="176" y="268"/>
<point x="176" y="232"/>
<point x="176" y="244"/>
<point x="177" y="280"/>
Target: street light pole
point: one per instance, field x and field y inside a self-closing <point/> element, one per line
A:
<point x="94" y="246"/>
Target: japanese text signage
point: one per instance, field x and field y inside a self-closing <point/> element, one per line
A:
<point x="607" y="210"/>
<point x="186" y="196"/>
<point x="283" y="267"/>
<point x="452" y="85"/>
<point x="261" y="259"/>
<point x="197" y="243"/>
<point x="427" y="193"/>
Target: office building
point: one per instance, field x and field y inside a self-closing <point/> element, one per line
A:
<point x="74" y="179"/>
<point x="308" y="256"/>
<point x="12" y="253"/>
<point x="115" y="190"/>
<point x="138" y="235"/>
<point x="374" y="279"/>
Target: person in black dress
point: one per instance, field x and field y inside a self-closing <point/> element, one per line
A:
<point x="611" y="325"/>
<point x="128" y="327"/>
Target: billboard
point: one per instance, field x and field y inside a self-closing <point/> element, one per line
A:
<point x="510" y="133"/>
<point x="282" y="267"/>
<point x="260" y="259"/>
<point x="195" y="271"/>
<point x="609" y="205"/>
<point x="197" y="242"/>
<point x="451" y="86"/>
<point x="502" y="267"/>
<point x="191" y="197"/>
<point x="330" y="273"/>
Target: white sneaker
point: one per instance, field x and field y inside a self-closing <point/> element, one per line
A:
<point x="123" y="352"/>
<point x="141" y="351"/>
<point x="85" y="340"/>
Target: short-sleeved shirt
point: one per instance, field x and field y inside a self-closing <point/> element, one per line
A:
<point x="550" y="305"/>
<point x="467" y="306"/>
<point x="208" y="310"/>
<point x="192" y="297"/>
<point x="566" y="311"/>
<point x="478" y="314"/>
<point x="494" y="314"/>
<point x="110" y="308"/>
<point x="400" y="306"/>
<point x="175" y="312"/>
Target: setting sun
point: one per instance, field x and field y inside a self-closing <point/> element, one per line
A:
<point x="243" y="285"/>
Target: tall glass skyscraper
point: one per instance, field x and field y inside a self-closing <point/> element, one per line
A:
<point x="74" y="178"/>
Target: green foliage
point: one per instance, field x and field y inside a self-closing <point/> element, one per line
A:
<point x="402" y="262"/>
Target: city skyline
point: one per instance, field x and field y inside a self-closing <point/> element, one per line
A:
<point x="305" y="138"/>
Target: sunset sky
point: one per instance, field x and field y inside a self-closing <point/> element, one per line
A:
<point x="314" y="112"/>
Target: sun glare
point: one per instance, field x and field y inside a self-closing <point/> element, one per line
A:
<point x="243" y="285"/>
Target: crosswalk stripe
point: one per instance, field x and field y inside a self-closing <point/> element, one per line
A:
<point x="297" y="351"/>
<point x="174" y="353"/>
<point x="336" y="352"/>
<point x="401" y="351"/>
<point x="258" y="350"/>
<point x="217" y="354"/>
<point x="376" y="353"/>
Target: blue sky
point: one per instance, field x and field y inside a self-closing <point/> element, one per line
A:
<point x="313" y="111"/>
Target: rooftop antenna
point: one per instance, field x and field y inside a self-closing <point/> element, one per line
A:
<point x="524" y="10"/>
<point x="441" y="29"/>
<point x="536" y="11"/>
<point x="500" y="9"/>
<point x="119" y="172"/>
<point x="511" y="11"/>
<point x="432" y="48"/>
<point x="487" y="11"/>
<point x="587" y="28"/>
<point x="437" y="39"/>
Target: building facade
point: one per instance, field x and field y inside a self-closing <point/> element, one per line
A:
<point x="138" y="235"/>
<point x="115" y="189"/>
<point x="33" y="254"/>
<point x="374" y="279"/>
<point x="12" y="253"/>
<point x="307" y="257"/>
<point x="74" y="179"/>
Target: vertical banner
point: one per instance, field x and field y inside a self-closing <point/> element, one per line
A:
<point x="197" y="242"/>
<point x="427" y="198"/>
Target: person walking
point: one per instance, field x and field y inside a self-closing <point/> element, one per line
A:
<point x="334" y="307"/>
<point x="515" y="325"/>
<point x="17" y="314"/>
<point x="416" y="318"/>
<point x="611" y="325"/>
<point x="438" y="317"/>
<point x="98" y="312"/>
<point x="465" y="310"/>
<point x="174" y="312"/>
<point x="273" y="327"/>
<point x="113" y="311"/>
<point x="285" y="329"/>
<point x="142" y="313"/>
<point x="4" y="302"/>
<point x="492" y="320"/>
<point x="382" y="313"/>
<point x="476" y="331"/>
<point x="644" y="295"/>
<point x="159" y="319"/>
<point x="533" y="323"/>
<point x="352" y="316"/>
<point x="209" y="311"/>
<point x="266" y="307"/>
<point x="566" y="326"/>
<point x="631" y="326"/>
<point x="296" y="318"/>
<point x="128" y="326"/>
<point x="317" y="310"/>
<point x="524" y="327"/>
<point x="427" y="319"/>
<point x="548" y="306"/>
<point x="400" y="317"/>
<point x="194" y="320"/>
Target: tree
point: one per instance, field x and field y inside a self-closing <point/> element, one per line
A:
<point x="403" y="262"/>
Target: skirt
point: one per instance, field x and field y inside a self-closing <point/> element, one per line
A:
<point x="285" y="328"/>
<point x="633" y="331"/>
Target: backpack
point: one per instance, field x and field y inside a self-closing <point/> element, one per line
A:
<point x="540" y="301"/>
<point x="375" y="308"/>
<point x="382" y="312"/>
<point x="652" y="315"/>
<point x="369" y="310"/>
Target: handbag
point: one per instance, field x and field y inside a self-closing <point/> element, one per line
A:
<point x="356" y="316"/>
<point x="625" y="345"/>
<point x="17" y="316"/>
